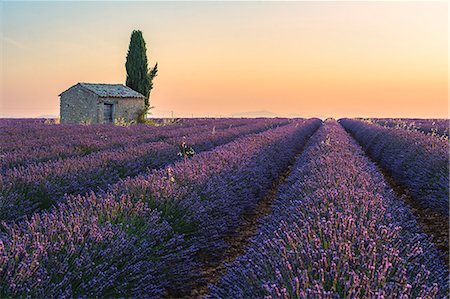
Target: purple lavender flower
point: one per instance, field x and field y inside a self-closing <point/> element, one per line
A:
<point x="336" y="231"/>
<point x="416" y="161"/>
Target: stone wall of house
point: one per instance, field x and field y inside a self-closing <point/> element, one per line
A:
<point x="79" y="106"/>
<point x="124" y="108"/>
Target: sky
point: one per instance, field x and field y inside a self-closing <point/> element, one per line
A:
<point x="307" y="59"/>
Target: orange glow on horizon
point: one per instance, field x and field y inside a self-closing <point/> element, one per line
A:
<point x="324" y="59"/>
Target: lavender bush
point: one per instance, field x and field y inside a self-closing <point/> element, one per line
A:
<point x="417" y="161"/>
<point x="432" y="127"/>
<point x="336" y="231"/>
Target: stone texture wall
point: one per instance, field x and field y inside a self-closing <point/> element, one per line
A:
<point x="80" y="106"/>
<point x="125" y="108"/>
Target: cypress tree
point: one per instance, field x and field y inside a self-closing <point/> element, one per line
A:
<point x="139" y="77"/>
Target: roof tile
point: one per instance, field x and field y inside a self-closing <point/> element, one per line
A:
<point x="111" y="90"/>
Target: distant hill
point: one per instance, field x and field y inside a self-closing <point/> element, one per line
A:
<point x="262" y="113"/>
<point x="246" y="114"/>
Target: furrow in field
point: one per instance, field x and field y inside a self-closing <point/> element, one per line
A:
<point x="416" y="161"/>
<point x="336" y="231"/>
<point x="432" y="222"/>
<point x="239" y="239"/>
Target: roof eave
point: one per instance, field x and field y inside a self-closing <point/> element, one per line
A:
<point x="69" y="89"/>
<point x="116" y="97"/>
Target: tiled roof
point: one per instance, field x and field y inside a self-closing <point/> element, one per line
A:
<point x="111" y="90"/>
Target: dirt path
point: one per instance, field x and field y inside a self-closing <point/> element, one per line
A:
<point x="249" y="227"/>
<point x="432" y="223"/>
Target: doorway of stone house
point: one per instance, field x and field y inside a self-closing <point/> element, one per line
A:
<point x="108" y="113"/>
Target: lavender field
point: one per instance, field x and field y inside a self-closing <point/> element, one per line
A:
<point x="225" y="208"/>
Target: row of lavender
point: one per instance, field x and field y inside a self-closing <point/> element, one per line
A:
<point x="15" y="121"/>
<point x="20" y="130"/>
<point x="433" y="127"/>
<point x="47" y="143"/>
<point x="24" y="132"/>
<point x="23" y="190"/>
<point x="336" y="231"/>
<point x="416" y="161"/>
<point x="150" y="235"/>
<point x="52" y="121"/>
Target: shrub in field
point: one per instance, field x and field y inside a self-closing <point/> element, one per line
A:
<point x="123" y="122"/>
<point x="336" y="231"/>
<point x="186" y="151"/>
<point x="52" y="121"/>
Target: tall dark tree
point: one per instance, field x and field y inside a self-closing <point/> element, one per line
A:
<point x="139" y="77"/>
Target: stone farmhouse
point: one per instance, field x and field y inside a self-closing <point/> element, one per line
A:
<point x="100" y="103"/>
